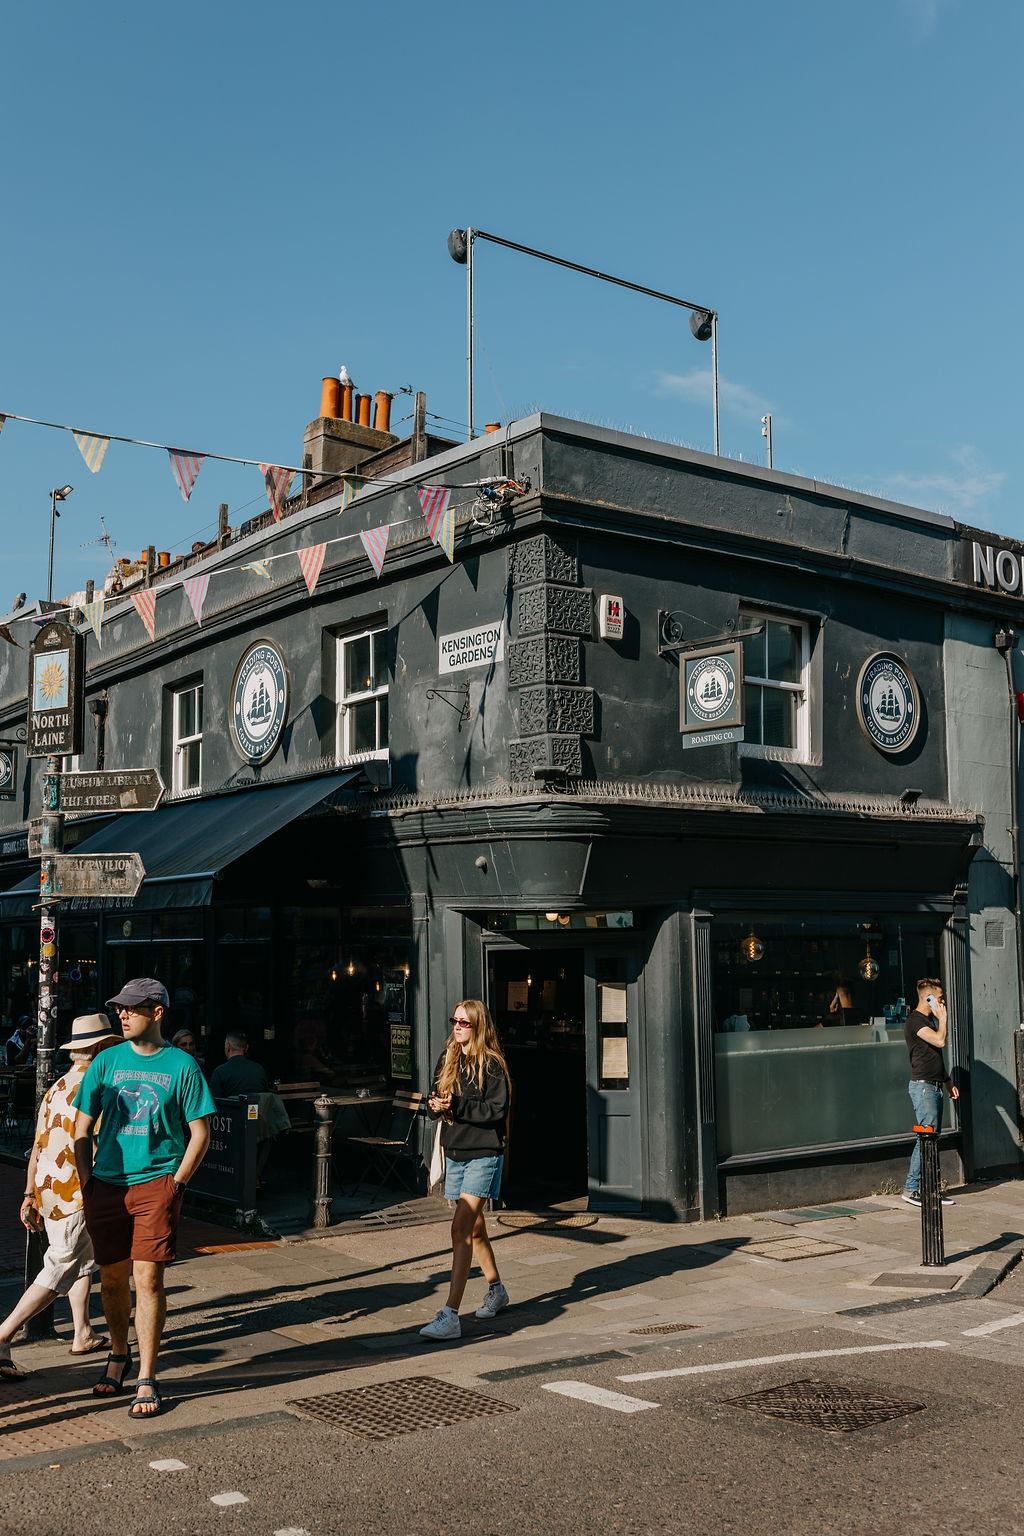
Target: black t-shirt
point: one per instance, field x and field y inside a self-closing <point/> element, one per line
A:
<point x="238" y="1075"/>
<point x="926" y="1063"/>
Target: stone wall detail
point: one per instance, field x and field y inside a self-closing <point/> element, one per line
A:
<point x="545" y="658"/>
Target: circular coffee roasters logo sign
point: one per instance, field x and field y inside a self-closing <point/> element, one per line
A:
<point x="259" y="702"/>
<point x="711" y="690"/>
<point x="888" y="703"/>
<point x="6" y="769"/>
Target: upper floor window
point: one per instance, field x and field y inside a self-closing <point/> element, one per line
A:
<point x="71" y="764"/>
<point x="186" y="738"/>
<point x="776" y="687"/>
<point x="363" y="694"/>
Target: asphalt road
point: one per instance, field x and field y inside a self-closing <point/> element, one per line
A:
<point x="695" y="1460"/>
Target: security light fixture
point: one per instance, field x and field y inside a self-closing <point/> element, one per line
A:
<point x="703" y="321"/>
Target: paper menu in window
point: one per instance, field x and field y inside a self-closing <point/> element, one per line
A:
<point x="612" y="1002"/>
<point x="615" y="1057"/>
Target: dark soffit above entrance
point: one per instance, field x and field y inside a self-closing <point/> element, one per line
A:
<point x="184" y="846"/>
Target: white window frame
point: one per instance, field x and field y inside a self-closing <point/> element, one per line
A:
<point x="180" y="742"/>
<point x="801" y="752"/>
<point x="343" y="751"/>
<point x="71" y="764"/>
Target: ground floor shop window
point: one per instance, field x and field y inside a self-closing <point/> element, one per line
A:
<point x="808" y="1014"/>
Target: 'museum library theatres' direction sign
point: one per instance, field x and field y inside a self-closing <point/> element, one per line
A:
<point x="125" y="789"/>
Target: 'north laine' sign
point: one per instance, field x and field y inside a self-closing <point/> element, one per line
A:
<point x="56" y="691"/>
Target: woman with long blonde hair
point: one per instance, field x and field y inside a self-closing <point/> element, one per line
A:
<point x="470" y="1098"/>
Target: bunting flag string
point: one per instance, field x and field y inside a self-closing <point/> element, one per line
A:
<point x="185" y="467"/>
<point x="92" y="449"/>
<point x="311" y="562"/>
<point x="258" y="568"/>
<point x="439" y="514"/>
<point x="351" y="485"/>
<point x="375" y="543"/>
<point x="195" y="591"/>
<point x="145" y="607"/>
<point x="278" y="482"/>
<point x="94" y="617"/>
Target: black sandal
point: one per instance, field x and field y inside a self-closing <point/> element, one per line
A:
<point x="106" y="1380"/>
<point x="154" y="1398"/>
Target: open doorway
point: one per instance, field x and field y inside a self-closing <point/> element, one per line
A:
<point x="537" y="999"/>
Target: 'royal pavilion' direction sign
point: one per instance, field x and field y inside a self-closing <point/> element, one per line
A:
<point x="711" y="695"/>
<point x="96" y="874"/>
<point x="119" y="789"/>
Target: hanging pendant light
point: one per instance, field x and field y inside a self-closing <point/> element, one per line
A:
<point x="751" y="948"/>
<point x="868" y="968"/>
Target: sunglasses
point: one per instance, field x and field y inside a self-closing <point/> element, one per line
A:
<point x="460" y="1023"/>
<point x="133" y="1008"/>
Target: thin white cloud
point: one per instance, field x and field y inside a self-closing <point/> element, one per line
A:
<point x="925" y="14"/>
<point x="696" y="386"/>
<point x="958" y="490"/>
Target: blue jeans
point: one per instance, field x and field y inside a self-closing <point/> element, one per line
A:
<point x="927" y="1101"/>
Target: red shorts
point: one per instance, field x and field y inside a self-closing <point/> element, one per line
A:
<point x="134" y="1221"/>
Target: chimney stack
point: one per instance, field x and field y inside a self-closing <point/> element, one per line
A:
<point x="341" y="437"/>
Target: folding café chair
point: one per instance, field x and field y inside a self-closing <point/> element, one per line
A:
<point x="387" y="1152"/>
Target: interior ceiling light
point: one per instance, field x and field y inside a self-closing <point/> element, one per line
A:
<point x="868" y="968"/>
<point x="751" y="948"/>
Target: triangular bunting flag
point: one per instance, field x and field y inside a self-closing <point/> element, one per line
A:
<point x="3" y="418"/>
<point x="351" y="485"/>
<point x="185" y="467"/>
<point x="375" y="543"/>
<point x="145" y="607"/>
<point x="195" y="591"/>
<point x="278" y="483"/>
<point x="94" y="617"/>
<point x="92" y="449"/>
<point x="311" y="559"/>
<point x="258" y="568"/>
<point x="434" y="500"/>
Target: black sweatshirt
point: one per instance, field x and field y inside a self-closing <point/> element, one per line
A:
<point x="478" y="1118"/>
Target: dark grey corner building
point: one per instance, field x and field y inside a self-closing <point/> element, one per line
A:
<point x="691" y="769"/>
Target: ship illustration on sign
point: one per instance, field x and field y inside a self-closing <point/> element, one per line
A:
<point x="712" y="690"/>
<point x="261" y="708"/>
<point x="888" y="706"/>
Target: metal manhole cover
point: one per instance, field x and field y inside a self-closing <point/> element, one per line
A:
<point x="827" y="1405"/>
<point x="553" y="1222"/>
<point x="785" y="1249"/>
<point x="390" y="1408"/>
<point x="664" y="1328"/>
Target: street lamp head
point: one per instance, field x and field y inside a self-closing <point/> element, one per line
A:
<point x="458" y="247"/>
<point x="700" y="324"/>
<point x="63" y="493"/>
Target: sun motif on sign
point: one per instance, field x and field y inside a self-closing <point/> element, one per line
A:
<point x="51" y="680"/>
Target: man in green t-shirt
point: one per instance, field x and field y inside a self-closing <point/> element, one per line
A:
<point x="153" y="1108"/>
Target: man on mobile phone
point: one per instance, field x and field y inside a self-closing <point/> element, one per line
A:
<point x="925" y="1032"/>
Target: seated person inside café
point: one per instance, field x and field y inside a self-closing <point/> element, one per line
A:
<point x="18" y="1046"/>
<point x="237" y="1074"/>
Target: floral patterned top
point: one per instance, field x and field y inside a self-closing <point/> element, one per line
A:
<point x="58" y="1192"/>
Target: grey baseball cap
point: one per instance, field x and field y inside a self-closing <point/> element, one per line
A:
<point x="144" y="989"/>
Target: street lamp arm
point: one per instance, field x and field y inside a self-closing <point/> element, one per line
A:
<point x="605" y="277"/>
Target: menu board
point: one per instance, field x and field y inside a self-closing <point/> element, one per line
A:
<point x="399" y="1028"/>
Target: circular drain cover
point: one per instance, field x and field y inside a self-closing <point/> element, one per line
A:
<point x="552" y="1221"/>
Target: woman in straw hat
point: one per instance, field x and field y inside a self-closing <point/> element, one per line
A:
<point x="53" y="1199"/>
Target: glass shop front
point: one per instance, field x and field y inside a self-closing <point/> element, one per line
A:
<point x="809" y="1042"/>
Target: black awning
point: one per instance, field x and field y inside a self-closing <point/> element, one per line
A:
<point x="185" y="846"/>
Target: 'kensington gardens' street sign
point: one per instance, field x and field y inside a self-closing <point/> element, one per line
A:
<point x="56" y="691"/>
<point x="122" y="789"/>
<point x="96" y="874"/>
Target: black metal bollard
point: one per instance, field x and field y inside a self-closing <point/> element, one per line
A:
<point x="324" y="1110"/>
<point x="933" y="1252"/>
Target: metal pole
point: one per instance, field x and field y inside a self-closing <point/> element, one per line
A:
<point x="470" y="237"/>
<point x="714" y="378"/>
<point x="324" y="1110"/>
<point x="52" y="839"/>
<point x="766" y="433"/>
<point x="933" y="1253"/>
<point x="53" y="524"/>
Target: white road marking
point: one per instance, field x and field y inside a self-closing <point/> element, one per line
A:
<point x="292" y="1530"/>
<point x="618" y="1401"/>
<point x="170" y="1465"/>
<point x="806" y="1354"/>
<point x="224" y="1499"/>
<point x="1013" y="1321"/>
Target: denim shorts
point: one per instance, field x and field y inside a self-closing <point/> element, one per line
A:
<point x="479" y="1176"/>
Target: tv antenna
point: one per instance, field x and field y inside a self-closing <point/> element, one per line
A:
<point x="104" y="538"/>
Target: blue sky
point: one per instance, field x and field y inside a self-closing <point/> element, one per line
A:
<point x="209" y="208"/>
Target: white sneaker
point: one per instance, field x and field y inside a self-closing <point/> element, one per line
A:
<point x="446" y="1325"/>
<point x="496" y="1298"/>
